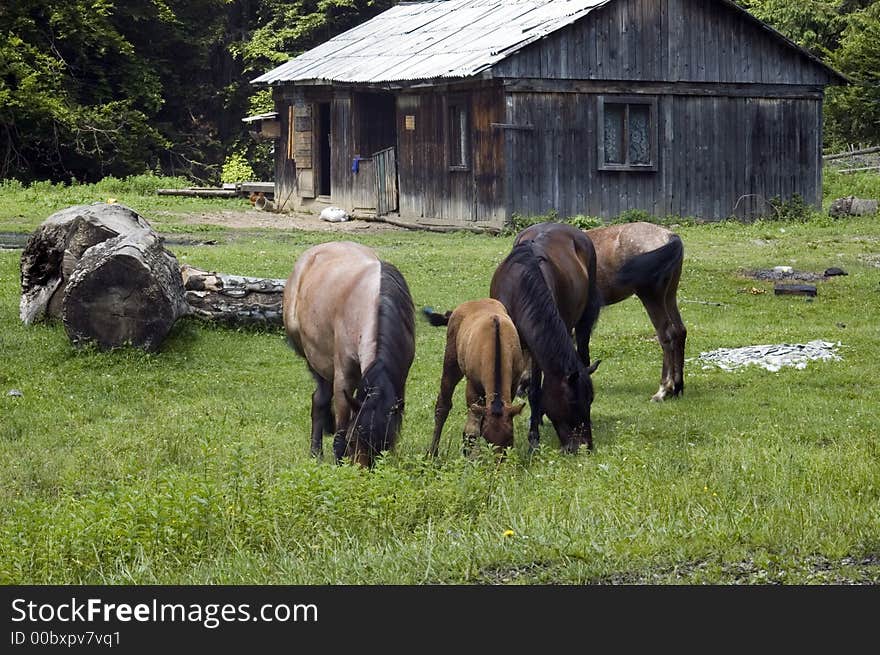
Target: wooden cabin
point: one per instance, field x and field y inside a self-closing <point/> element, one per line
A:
<point x="471" y="111"/>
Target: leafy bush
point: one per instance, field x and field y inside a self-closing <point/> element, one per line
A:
<point x="582" y="222"/>
<point x="794" y="210"/>
<point x="236" y="169"/>
<point x="633" y="216"/>
<point x="517" y="222"/>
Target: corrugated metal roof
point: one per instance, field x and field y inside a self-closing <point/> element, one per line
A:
<point x="431" y="39"/>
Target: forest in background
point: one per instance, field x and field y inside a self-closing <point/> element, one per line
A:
<point x="93" y="88"/>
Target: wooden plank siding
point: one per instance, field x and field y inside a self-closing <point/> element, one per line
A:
<point x="713" y="151"/>
<point x="666" y="40"/>
<point x="285" y="169"/>
<point x="429" y="187"/>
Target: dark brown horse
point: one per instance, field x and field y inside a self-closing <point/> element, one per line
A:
<point x="645" y="260"/>
<point x="350" y="316"/>
<point x="548" y="285"/>
<point x="483" y="346"/>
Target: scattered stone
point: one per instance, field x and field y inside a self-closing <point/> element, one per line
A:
<point x="852" y="206"/>
<point x="831" y="272"/>
<point x="871" y="260"/>
<point x="770" y="357"/>
<point x="15" y="393"/>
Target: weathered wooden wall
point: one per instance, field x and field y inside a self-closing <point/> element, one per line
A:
<point x="665" y="40"/>
<point x="429" y="188"/>
<point x="285" y="170"/>
<point x="718" y="156"/>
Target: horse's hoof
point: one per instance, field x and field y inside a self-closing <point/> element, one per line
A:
<point x="660" y="396"/>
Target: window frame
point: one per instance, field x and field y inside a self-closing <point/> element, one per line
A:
<point x="626" y="101"/>
<point x="464" y="138"/>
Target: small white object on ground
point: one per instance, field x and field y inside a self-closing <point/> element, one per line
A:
<point x="771" y="357"/>
<point x="334" y="214"/>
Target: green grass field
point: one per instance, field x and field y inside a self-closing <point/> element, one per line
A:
<point x="191" y="465"/>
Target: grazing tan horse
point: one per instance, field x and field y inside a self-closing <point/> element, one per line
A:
<point x="548" y="285"/>
<point x="483" y="346"/>
<point x="350" y="316"/>
<point x="645" y="260"/>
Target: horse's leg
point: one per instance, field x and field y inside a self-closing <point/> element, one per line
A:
<point x="322" y="418"/>
<point x="656" y="307"/>
<point x="583" y="328"/>
<point x="472" y="425"/>
<point x="342" y="388"/>
<point x="534" y="406"/>
<point x="451" y="377"/>
<point x="678" y="334"/>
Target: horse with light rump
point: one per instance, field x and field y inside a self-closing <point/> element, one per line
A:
<point x="350" y="316"/>
<point x="483" y="346"/>
<point x="645" y="260"/>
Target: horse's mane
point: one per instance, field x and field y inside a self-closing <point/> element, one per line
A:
<point x="534" y="312"/>
<point x="396" y="330"/>
<point x="382" y="384"/>
<point x="497" y="406"/>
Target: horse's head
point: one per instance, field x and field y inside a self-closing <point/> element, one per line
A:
<point x="496" y="422"/>
<point x="566" y="400"/>
<point x="377" y="413"/>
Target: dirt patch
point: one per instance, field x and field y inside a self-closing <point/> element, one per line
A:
<point x="249" y="219"/>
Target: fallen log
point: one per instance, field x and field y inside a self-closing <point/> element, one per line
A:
<point x="232" y="299"/>
<point x="199" y="193"/>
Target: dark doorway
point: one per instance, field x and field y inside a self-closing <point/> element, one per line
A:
<point x="324" y="148"/>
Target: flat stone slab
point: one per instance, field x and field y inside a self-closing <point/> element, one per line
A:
<point x="771" y="357"/>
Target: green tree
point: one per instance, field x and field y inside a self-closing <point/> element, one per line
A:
<point x="812" y="24"/>
<point x="75" y="100"/>
<point x="853" y="111"/>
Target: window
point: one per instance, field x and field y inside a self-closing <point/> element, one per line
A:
<point x="457" y="134"/>
<point x="627" y="134"/>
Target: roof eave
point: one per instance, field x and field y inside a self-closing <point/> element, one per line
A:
<point x="836" y="76"/>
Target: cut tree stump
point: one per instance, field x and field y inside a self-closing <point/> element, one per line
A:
<point x="124" y="291"/>
<point x="56" y="246"/>
<point x="103" y="270"/>
<point x="233" y="299"/>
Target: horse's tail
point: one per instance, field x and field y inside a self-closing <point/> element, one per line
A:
<point x="652" y="267"/>
<point x="434" y="318"/>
